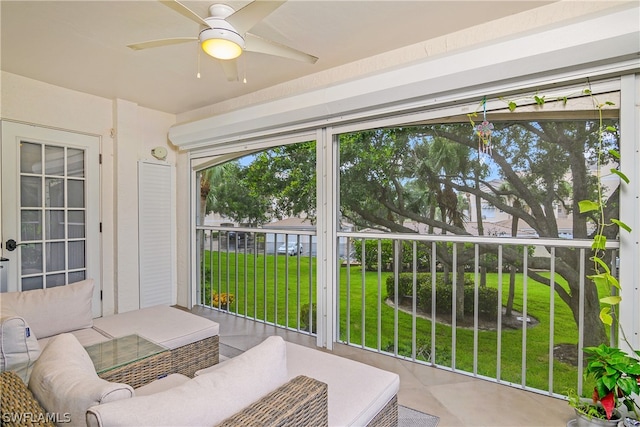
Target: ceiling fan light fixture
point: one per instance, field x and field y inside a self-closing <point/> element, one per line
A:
<point x="221" y="43"/>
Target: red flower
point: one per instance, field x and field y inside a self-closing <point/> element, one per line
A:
<point x="608" y="403"/>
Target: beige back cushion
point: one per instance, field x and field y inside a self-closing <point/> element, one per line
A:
<point x="207" y="399"/>
<point x="65" y="382"/>
<point x="55" y="310"/>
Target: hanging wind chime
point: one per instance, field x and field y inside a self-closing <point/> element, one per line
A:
<point x="483" y="130"/>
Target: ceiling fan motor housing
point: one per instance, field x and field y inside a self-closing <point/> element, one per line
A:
<point x="219" y="28"/>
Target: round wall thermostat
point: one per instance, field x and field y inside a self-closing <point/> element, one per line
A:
<point x="159" y="153"/>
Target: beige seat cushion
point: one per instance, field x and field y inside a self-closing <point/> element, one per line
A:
<point x="168" y="326"/>
<point x="206" y="399"/>
<point x="64" y="381"/>
<point x="53" y="311"/>
<point x="86" y="337"/>
<point x="357" y="392"/>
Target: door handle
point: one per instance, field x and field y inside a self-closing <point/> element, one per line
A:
<point x="11" y="245"/>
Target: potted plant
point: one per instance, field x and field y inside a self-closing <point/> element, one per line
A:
<point x="616" y="376"/>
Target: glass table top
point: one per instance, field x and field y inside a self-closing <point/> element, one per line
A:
<point x="122" y="351"/>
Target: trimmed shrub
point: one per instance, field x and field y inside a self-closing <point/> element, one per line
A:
<point x="487" y="297"/>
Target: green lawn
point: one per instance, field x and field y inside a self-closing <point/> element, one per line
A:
<point x="282" y="304"/>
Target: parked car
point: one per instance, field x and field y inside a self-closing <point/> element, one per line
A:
<point x="291" y="249"/>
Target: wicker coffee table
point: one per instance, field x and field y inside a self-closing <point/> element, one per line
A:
<point x="131" y="359"/>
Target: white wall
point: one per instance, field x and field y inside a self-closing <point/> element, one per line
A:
<point x="127" y="132"/>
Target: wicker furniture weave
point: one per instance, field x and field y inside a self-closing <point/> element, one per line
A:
<point x="188" y="359"/>
<point x="303" y="401"/>
<point x="388" y="416"/>
<point x="18" y="407"/>
<point x="140" y="372"/>
<point x="131" y="360"/>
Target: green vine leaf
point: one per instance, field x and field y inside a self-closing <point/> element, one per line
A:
<point x="599" y="279"/>
<point x="605" y="316"/>
<point x="588" y="206"/>
<point x="621" y="224"/>
<point x="613" y="281"/>
<point x="612" y="300"/>
<point x="615" y="153"/>
<point x="539" y="100"/>
<point x="621" y="175"/>
<point x="512" y="106"/>
<point x="601" y="263"/>
<point x="610" y="103"/>
<point x="599" y="242"/>
<point x="611" y="128"/>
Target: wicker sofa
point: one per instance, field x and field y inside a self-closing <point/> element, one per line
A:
<point x="274" y="383"/>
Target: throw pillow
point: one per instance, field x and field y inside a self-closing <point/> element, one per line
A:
<point x="65" y="382"/>
<point x="19" y="347"/>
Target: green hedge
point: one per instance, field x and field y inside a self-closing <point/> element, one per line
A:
<point x="487" y="297"/>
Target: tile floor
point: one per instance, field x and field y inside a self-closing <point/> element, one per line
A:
<point x="458" y="400"/>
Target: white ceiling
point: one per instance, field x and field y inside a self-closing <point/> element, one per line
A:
<point x="81" y="45"/>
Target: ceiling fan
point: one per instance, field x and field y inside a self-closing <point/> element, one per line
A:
<point x="225" y="34"/>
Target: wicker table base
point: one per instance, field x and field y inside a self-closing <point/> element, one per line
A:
<point x="140" y="372"/>
<point x="131" y="360"/>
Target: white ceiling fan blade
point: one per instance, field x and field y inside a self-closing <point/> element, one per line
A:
<point x="230" y="68"/>
<point x="161" y="42"/>
<point x="246" y="18"/>
<point x="255" y="43"/>
<point x="184" y="11"/>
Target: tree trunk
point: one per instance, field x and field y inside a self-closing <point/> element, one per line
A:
<point x="512" y="290"/>
<point x="459" y="286"/>
<point x="512" y="269"/>
<point x="478" y="200"/>
<point x="594" y="329"/>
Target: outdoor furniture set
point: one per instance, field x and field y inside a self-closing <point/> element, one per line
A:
<point x="159" y="366"/>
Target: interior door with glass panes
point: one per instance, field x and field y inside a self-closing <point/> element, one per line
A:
<point x="50" y="208"/>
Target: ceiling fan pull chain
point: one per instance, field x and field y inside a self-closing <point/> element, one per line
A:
<point x="198" y="75"/>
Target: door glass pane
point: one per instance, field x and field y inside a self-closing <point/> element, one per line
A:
<point x="54" y="196"/>
<point x="31" y="260"/>
<point x="30" y="191"/>
<point x="76" y="224"/>
<point x="75" y="162"/>
<point x="31" y="225"/>
<point x="30" y="158"/>
<point x="55" y="256"/>
<point x="76" y="255"/>
<point x="55" y="224"/>
<point x="76" y="276"/>
<point x="31" y="283"/>
<point x="54" y="280"/>
<point x="54" y="160"/>
<point x="76" y="193"/>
